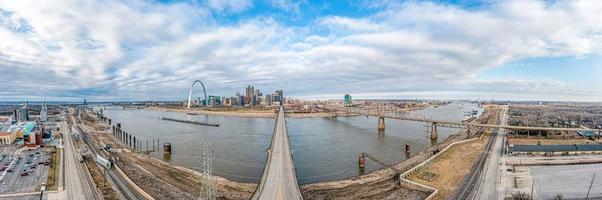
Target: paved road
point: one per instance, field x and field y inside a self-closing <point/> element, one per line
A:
<point x="571" y="181"/>
<point x="120" y="184"/>
<point x="490" y="186"/>
<point x="279" y="180"/>
<point x="77" y="185"/>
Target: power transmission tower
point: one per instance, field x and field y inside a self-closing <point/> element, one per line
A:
<point x="207" y="188"/>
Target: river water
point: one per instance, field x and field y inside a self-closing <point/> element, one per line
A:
<point x="323" y="149"/>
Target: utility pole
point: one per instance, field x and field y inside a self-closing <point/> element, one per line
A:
<point x="590" y="186"/>
<point x="532" y="185"/>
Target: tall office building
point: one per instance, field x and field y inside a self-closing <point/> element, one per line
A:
<point x="281" y="97"/>
<point x="249" y="94"/>
<point x="22" y="114"/>
<point x="44" y="112"/>
<point x="268" y="99"/>
<point x="347" y="100"/>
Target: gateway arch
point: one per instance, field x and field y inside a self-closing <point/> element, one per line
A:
<point x="190" y="92"/>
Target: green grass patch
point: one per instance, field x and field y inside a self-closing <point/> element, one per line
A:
<point x="53" y="170"/>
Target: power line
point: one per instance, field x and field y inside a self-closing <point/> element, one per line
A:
<point x="208" y="191"/>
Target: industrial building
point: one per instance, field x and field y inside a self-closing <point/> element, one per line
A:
<point x="347" y="100"/>
<point x="23" y="133"/>
<point x="573" y="149"/>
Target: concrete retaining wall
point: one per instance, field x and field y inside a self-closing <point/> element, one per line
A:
<point x="427" y="163"/>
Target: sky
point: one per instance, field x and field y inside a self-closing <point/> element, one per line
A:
<point x="153" y="50"/>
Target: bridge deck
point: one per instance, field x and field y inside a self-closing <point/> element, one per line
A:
<point x="461" y="124"/>
<point x="279" y="180"/>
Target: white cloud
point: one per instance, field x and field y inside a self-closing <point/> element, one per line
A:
<point x="293" y="6"/>
<point x="233" y="6"/>
<point x="142" y="50"/>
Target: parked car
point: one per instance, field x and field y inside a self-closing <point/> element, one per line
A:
<point x="24" y="174"/>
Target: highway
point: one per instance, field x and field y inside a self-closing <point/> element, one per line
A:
<point x="78" y="183"/>
<point x="279" y="180"/>
<point x="490" y="186"/>
<point x="74" y="176"/>
<point x="468" y="186"/>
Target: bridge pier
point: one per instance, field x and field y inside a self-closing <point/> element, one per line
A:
<point x="434" y="134"/>
<point x="362" y="161"/>
<point x="381" y="123"/>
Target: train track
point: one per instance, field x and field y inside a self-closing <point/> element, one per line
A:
<point x="466" y="189"/>
<point x="118" y="181"/>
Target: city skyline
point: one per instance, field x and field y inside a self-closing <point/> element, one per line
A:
<point x="153" y="50"/>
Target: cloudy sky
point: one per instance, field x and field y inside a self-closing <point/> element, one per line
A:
<point x="154" y="50"/>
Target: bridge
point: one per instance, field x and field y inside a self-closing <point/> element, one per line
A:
<point x="392" y="113"/>
<point x="279" y="180"/>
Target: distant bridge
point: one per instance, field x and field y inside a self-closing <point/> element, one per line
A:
<point x="279" y="180"/>
<point x="394" y="114"/>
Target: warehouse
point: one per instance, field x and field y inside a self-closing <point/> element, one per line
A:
<point x="573" y="149"/>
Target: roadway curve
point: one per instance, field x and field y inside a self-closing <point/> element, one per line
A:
<point x="279" y="180"/>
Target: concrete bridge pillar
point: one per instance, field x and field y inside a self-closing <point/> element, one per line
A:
<point x="362" y="161"/>
<point x="381" y="123"/>
<point x="434" y="134"/>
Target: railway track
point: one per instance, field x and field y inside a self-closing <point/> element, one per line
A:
<point x="121" y="185"/>
<point x="467" y="188"/>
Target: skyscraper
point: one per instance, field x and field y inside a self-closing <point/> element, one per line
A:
<point x="249" y="94"/>
<point x="22" y="114"/>
<point x="44" y="112"/>
<point x="281" y="97"/>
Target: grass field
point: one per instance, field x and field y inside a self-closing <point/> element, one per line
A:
<point x="451" y="167"/>
<point x="53" y="170"/>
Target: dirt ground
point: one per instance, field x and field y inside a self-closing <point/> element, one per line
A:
<point x="100" y="181"/>
<point x="451" y="167"/>
<point x="551" y="141"/>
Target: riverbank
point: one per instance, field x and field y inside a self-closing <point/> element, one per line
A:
<point x="162" y="180"/>
<point x="253" y="113"/>
<point x="380" y="184"/>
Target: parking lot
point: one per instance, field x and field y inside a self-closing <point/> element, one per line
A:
<point x="23" y="170"/>
<point x="571" y="181"/>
